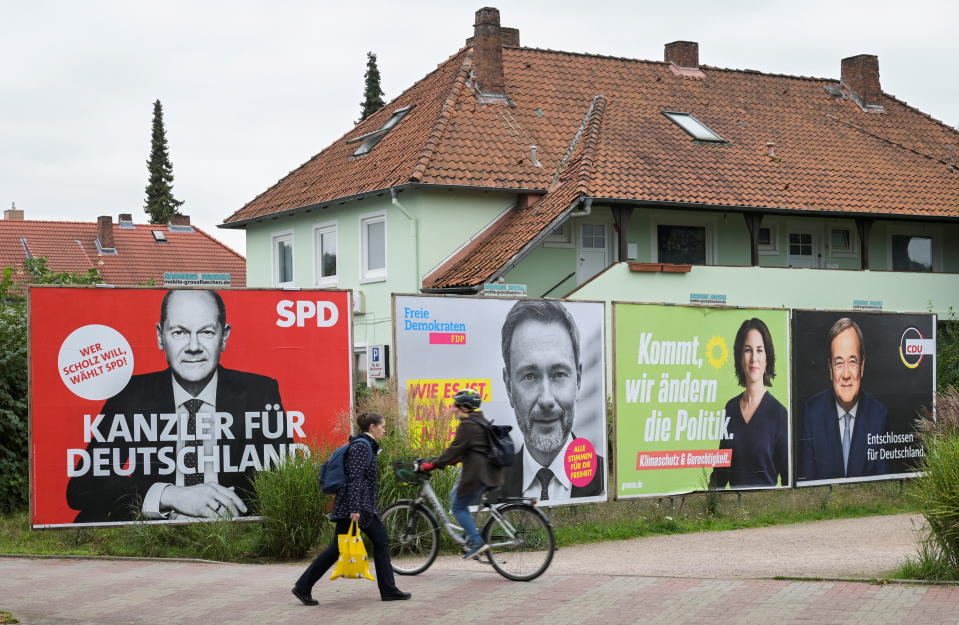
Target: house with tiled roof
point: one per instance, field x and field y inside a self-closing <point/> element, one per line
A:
<point x="125" y="253"/>
<point x="594" y="177"/>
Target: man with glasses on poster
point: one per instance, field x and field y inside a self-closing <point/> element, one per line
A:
<point x="223" y="426"/>
<point x="838" y="422"/>
<point x="543" y="375"/>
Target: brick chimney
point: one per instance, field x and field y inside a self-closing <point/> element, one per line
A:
<point x="105" y="232"/>
<point x="13" y="213"/>
<point x="126" y="217"/>
<point x="682" y="53"/>
<point x="860" y="75"/>
<point x="488" y="51"/>
<point x="179" y="220"/>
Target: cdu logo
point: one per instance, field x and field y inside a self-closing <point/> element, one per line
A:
<point x="913" y="347"/>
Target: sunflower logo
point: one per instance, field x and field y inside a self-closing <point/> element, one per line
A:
<point x="717" y="352"/>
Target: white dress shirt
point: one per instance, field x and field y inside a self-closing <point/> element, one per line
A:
<point x="205" y="432"/>
<point x="842" y="422"/>
<point x="559" y="484"/>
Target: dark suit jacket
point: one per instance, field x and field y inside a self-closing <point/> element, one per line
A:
<point x="820" y="448"/>
<point x="117" y="498"/>
<point x="513" y="484"/>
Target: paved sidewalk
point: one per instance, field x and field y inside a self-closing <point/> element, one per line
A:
<point x="112" y="592"/>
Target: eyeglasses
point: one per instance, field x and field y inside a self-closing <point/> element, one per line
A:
<point x="851" y="365"/>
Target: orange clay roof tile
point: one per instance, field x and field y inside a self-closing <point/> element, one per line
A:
<point x="71" y="247"/>
<point x="828" y="154"/>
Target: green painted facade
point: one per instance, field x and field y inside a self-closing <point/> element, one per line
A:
<point x="774" y="287"/>
<point x="436" y="223"/>
<point x="728" y="245"/>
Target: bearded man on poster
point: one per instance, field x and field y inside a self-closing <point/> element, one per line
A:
<point x="543" y="375"/>
<point x="211" y="401"/>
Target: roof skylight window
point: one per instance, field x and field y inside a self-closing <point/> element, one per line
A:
<point x="159" y="236"/>
<point x="370" y="139"/>
<point x="693" y="127"/>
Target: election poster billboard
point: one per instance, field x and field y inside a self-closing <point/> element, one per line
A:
<point x="701" y="397"/>
<point x="538" y="366"/>
<point x="161" y="405"/>
<point x="862" y="382"/>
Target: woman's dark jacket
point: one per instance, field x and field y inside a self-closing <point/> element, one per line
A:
<point x="362" y="486"/>
<point x="470" y="447"/>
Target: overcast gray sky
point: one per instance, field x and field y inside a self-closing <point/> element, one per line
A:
<point x="251" y="90"/>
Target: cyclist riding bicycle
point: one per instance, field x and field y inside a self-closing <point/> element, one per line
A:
<point x="470" y="447"/>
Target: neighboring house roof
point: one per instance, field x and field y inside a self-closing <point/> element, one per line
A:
<point x="139" y="259"/>
<point x="793" y="143"/>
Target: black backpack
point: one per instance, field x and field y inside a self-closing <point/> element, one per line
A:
<point x="502" y="451"/>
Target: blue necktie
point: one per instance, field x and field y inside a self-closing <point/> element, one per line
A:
<point x="846" y="439"/>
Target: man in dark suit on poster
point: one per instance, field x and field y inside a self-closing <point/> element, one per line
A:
<point x="543" y="375"/>
<point x="837" y="422"/>
<point x="215" y="427"/>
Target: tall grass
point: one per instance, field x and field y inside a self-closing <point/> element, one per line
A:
<point x="936" y="490"/>
<point x="292" y="507"/>
<point x="217" y="539"/>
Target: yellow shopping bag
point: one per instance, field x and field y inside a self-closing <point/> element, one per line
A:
<point x="352" y="563"/>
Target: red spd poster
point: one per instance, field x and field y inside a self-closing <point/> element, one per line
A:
<point x="161" y="405"/>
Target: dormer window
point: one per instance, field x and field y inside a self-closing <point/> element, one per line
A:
<point x="370" y="139"/>
<point x="693" y="127"/>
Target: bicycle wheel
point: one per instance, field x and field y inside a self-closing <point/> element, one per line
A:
<point x="414" y="537"/>
<point x="522" y="544"/>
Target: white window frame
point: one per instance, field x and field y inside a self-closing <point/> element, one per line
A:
<point x="361" y="348"/>
<point x="374" y="275"/>
<point x="702" y="221"/>
<point x="560" y="240"/>
<point x="772" y="249"/>
<point x="852" y="252"/>
<point x="694" y="127"/>
<point x="275" y="239"/>
<point x="371" y="139"/>
<point x="319" y="230"/>
<point x="915" y="231"/>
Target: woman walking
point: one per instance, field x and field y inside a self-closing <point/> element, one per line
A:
<point x="356" y="501"/>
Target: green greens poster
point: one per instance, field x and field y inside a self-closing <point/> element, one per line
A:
<point x="701" y="397"/>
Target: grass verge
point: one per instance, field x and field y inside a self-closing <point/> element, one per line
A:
<point x="242" y="542"/>
<point x="698" y="512"/>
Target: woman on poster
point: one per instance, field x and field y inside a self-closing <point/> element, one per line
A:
<point x="758" y="424"/>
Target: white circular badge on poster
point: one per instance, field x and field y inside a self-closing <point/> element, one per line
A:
<point x="95" y="362"/>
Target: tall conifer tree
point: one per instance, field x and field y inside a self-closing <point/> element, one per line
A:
<point x="160" y="203"/>
<point x="373" y="94"/>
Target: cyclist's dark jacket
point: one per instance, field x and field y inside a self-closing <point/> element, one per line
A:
<point x="470" y="447"/>
<point x="362" y="487"/>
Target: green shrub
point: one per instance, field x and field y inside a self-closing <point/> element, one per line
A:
<point x="14" y="481"/>
<point x="219" y="539"/>
<point x="14" y="484"/>
<point x="947" y="353"/>
<point x="293" y="508"/>
<point x="936" y="490"/>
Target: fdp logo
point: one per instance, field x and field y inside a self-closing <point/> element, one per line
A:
<point x="913" y="347"/>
